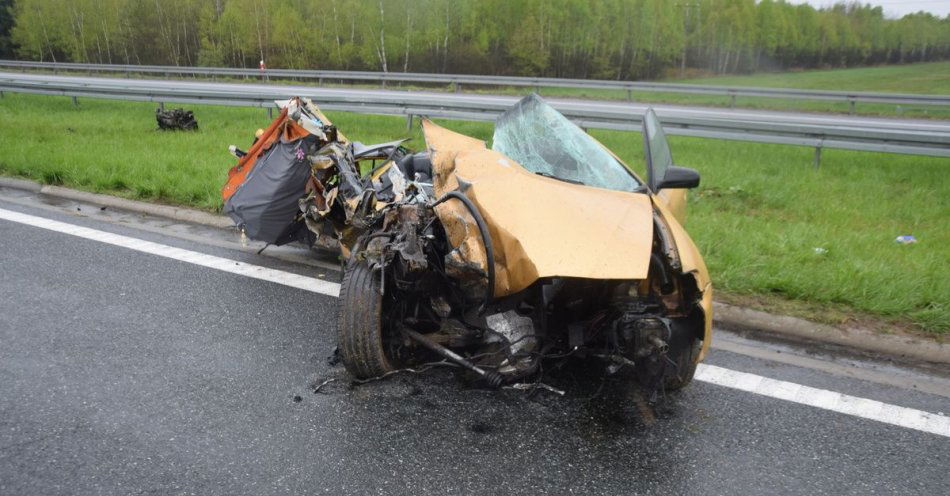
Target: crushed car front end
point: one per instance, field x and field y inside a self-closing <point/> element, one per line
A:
<point x="496" y="260"/>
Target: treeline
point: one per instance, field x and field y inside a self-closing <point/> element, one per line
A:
<point x="606" y="39"/>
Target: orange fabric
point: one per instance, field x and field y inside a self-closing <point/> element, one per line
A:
<point x="293" y="131"/>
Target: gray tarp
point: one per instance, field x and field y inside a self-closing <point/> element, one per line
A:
<point x="266" y="203"/>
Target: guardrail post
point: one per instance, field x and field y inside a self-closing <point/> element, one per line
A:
<point x="851" y="102"/>
<point x="270" y="112"/>
<point x="818" y="154"/>
<point x="409" y="118"/>
<point x="456" y="87"/>
<point x="629" y="95"/>
<point x="75" y="101"/>
<point x="732" y="99"/>
<point x="161" y="105"/>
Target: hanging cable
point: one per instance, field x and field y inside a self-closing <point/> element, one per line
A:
<point x="486" y="241"/>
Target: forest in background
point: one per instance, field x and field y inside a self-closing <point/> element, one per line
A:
<point x="603" y="39"/>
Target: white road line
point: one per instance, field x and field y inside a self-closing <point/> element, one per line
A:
<point x="193" y="257"/>
<point x="756" y="384"/>
<point x="826" y="400"/>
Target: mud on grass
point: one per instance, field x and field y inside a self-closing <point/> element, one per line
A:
<point x="766" y="221"/>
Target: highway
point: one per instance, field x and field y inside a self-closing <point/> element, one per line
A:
<point x="457" y="80"/>
<point x="928" y="137"/>
<point x="144" y="355"/>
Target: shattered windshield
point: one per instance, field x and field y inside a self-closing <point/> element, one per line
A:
<point x="547" y="143"/>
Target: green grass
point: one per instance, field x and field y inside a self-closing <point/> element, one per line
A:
<point x="931" y="78"/>
<point x="770" y="225"/>
<point x="758" y="217"/>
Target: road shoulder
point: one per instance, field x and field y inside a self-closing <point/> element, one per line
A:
<point x="897" y="347"/>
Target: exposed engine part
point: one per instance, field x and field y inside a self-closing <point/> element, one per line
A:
<point x="517" y="329"/>
<point x="440" y="306"/>
<point x="650" y="336"/>
<point x="494" y="379"/>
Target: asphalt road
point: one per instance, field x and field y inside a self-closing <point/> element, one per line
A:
<point x="123" y="372"/>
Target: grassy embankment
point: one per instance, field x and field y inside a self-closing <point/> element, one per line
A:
<point x="924" y="78"/>
<point x="775" y="232"/>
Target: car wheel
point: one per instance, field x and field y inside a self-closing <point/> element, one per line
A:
<point x="685" y="359"/>
<point x="360" y="329"/>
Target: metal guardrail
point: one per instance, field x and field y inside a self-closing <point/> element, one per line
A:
<point x="457" y="80"/>
<point x="929" y="140"/>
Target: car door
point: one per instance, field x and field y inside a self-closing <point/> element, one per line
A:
<point x="659" y="159"/>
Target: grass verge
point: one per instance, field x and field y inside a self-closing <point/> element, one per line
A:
<point x="930" y="78"/>
<point x="774" y="231"/>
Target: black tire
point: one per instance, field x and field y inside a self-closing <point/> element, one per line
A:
<point x="685" y="358"/>
<point x="360" y="329"/>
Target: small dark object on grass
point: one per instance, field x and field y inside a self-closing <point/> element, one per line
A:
<point x="297" y="399"/>
<point x="176" y="119"/>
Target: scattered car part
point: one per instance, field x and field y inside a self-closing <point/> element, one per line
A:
<point x="176" y="120"/>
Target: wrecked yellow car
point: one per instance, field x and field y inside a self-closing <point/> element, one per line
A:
<point x="544" y="246"/>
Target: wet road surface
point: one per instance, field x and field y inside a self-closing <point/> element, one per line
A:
<point x="124" y="373"/>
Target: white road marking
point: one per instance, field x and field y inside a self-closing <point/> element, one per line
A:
<point x="193" y="257"/>
<point x="826" y="400"/>
<point x="743" y="381"/>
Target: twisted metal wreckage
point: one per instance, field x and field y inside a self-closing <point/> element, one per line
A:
<point x="494" y="259"/>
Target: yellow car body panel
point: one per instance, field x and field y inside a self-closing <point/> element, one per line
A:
<point x="692" y="263"/>
<point x="540" y="227"/>
<point x="543" y="227"/>
<point x="675" y="202"/>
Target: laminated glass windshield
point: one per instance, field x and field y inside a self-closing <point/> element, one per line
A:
<point x="547" y="143"/>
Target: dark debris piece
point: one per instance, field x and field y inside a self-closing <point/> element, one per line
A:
<point x="176" y="120"/>
<point x="335" y="358"/>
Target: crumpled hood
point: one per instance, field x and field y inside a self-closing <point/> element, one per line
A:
<point x="540" y="227"/>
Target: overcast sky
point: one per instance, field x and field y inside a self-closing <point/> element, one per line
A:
<point x="895" y="8"/>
